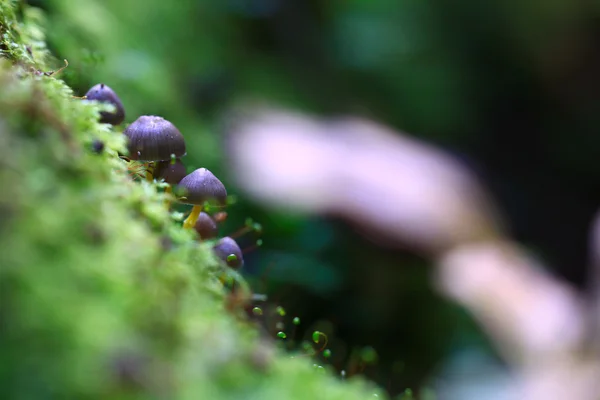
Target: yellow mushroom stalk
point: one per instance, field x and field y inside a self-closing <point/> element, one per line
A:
<point x="190" y="221"/>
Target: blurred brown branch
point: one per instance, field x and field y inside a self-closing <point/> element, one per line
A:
<point x="415" y="195"/>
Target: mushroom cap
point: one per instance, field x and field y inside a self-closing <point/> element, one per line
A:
<point x="200" y="186"/>
<point x="229" y="251"/>
<point x="105" y="94"/>
<point x="97" y="146"/>
<point x="206" y="226"/>
<point x="152" y="138"/>
<point x="171" y="172"/>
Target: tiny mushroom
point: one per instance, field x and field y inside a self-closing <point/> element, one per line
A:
<point x="206" y="227"/>
<point x="171" y="172"/>
<point x="228" y="250"/>
<point x="152" y="138"/>
<point x="199" y="187"/>
<point x="105" y="94"/>
<point x="97" y="146"/>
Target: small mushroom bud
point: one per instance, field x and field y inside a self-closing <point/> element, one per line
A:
<point x="97" y="146"/>
<point x="206" y="227"/>
<point x="171" y="172"/>
<point x="105" y="94"/>
<point x="229" y="251"/>
<point x="199" y="187"/>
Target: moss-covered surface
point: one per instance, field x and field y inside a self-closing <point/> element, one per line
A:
<point x="102" y="293"/>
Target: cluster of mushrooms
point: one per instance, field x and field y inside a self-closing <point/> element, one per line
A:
<point x="159" y="146"/>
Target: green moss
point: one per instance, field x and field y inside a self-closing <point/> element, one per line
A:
<point x="102" y="293"/>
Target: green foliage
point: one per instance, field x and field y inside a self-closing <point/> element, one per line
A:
<point x="385" y="59"/>
<point x="102" y="293"/>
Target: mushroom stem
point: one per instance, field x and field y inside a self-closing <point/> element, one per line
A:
<point x="241" y="232"/>
<point x="149" y="172"/>
<point x="168" y="190"/>
<point x="190" y="221"/>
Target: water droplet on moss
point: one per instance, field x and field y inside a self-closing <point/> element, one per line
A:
<point x="281" y="335"/>
<point x="281" y="311"/>
<point x="327" y="353"/>
<point x="231" y="258"/>
<point x="315" y="336"/>
<point x="257" y="311"/>
<point x="296" y="321"/>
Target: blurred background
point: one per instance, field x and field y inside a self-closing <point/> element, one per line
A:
<point x="510" y="87"/>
